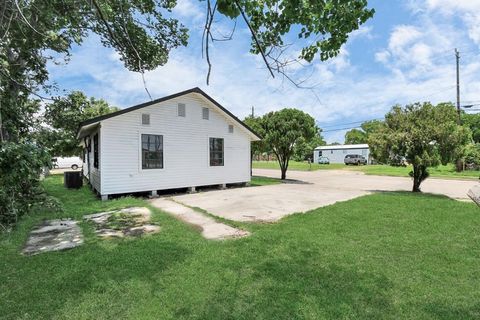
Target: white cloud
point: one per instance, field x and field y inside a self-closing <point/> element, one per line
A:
<point x="362" y="32"/>
<point x="189" y="9"/>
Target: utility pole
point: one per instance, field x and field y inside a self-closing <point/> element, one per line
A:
<point x="457" y="58"/>
<point x="253" y="112"/>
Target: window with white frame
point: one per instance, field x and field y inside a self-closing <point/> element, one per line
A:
<point x="230" y="128"/>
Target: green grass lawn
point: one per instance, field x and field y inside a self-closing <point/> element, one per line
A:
<point x="383" y="256"/>
<point x="297" y="165"/>
<point x="264" y="181"/>
<point x="447" y="171"/>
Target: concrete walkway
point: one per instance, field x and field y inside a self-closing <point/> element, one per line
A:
<point x="211" y="229"/>
<point x="312" y="189"/>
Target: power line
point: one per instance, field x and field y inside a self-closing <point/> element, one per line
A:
<point x="332" y="130"/>
<point x="382" y="104"/>
<point x="344" y="124"/>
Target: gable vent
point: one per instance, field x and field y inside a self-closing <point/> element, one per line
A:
<point x="230" y="128"/>
<point x="181" y="110"/>
<point x="205" y="113"/>
<point x="145" y="119"/>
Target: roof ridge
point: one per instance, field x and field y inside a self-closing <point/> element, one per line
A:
<point x="166" y="98"/>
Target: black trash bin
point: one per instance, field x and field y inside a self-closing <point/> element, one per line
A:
<point x="72" y="179"/>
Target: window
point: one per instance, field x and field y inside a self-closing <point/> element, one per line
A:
<point x="145" y="119"/>
<point x="320" y="153"/>
<point x="181" y="110"/>
<point x="152" y="151"/>
<point x="331" y="151"/>
<point x="216" y="152"/>
<point x="230" y="128"/>
<point x="95" y="151"/>
<point x="205" y="113"/>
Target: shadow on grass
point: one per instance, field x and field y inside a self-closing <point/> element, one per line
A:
<point x="298" y="286"/>
<point x="444" y="311"/>
<point x="412" y="194"/>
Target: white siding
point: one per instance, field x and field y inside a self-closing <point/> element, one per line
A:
<point x="91" y="172"/>
<point x="185" y="145"/>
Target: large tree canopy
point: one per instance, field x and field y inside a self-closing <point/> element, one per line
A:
<point x="31" y="30"/>
<point x="426" y="135"/>
<point x="284" y="129"/>
<point x="63" y="117"/>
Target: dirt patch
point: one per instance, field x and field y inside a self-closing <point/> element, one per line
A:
<point x="128" y="222"/>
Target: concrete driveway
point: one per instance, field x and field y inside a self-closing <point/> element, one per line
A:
<point x="311" y="190"/>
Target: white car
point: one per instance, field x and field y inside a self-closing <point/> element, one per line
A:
<point x="67" y="162"/>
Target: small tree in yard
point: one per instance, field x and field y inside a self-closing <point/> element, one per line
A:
<point x="426" y="135"/>
<point x="256" y="124"/>
<point x="283" y="129"/>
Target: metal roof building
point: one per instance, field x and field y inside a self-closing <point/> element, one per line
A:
<point x="337" y="153"/>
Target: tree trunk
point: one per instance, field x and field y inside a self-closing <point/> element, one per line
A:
<point x="459" y="165"/>
<point x="284" y="173"/>
<point x="419" y="174"/>
<point x="416" y="185"/>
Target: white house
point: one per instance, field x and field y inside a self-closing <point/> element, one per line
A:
<point x="184" y="140"/>
<point x="337" y="153"/>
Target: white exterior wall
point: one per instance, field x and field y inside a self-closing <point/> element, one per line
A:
<point x="185" y="148"/>
<point x="90" y="171"/>
<point x="338" y="155"/>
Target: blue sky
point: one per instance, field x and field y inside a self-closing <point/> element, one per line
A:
<point x="405" y="53"/>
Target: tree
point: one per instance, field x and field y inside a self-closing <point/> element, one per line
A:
<point x="424" y="134"/>
<point x="324" y="26"/>
<point x="64" y="115"/>
<point x="371" y="126"/>
<point x="283" y="129"/>
<point x="32" y="30"/>
<point x="473" y="122"/>
<point x="303" y="149"/>
<point x="355" y="136"/>
<point x="256" y="124"/>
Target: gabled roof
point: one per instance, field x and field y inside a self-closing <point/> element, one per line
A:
<point x="173" y="96"/>
<point x="343" y="146"/>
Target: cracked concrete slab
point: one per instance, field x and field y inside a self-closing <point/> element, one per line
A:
<point x="134" y="221"/>
<point x="210" y="228"/>
<point x="54" y="235"/>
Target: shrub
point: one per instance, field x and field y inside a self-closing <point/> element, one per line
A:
<point x="20" y="167"/>
<point x="472" y="155"/>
